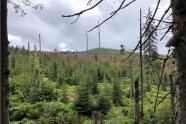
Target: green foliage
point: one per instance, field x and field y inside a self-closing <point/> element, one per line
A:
<point x="51" y="88"/>
<point x="103" y="104"/>
<point x="164" y="82"/>
<point x="53" y="71"/>
<point x="24" y="121"/>
<point x="12" y="61"/>
<point x="82" y="103"/>
<point x="164" y="114"/>
<point x="94" y="88"/>
<point x="100" y="75"/>
<point x="119" y="120"/>
<point x="104" y="51"/>
<point x="64" y="97"/>
<point x="117" y="93"/>
<point x="105" y="89"/>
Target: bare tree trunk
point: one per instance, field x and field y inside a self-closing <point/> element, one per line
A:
<point x="36" y="84"/>
<point x="4" y="64"/>
<point x="181" y="85"/>
<point x="102" y="118"/>
<point x="87" y="42"/>
<point x="172" y="93"/>
<point x="131" y="84"/>
<point x="179" y="17"/>
<point x="149" y="79"/>
<point x="141" y="65"/>
<point x="149" y="69"/>
<point x="94" y="118"/>
<point x="136" y="102"/>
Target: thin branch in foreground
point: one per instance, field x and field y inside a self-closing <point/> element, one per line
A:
<point x="124" y="6"/>
<point x="170" y="27"/>
<point x="157" y="24"/>
<point x="137" y="46"/>
<point x="109" y="16"/>
<point x="160" y="80"/>
<point x="164" y="98"/>
<point x="85" y="10"/>
<point x="160" y="20"/>
<point x="76" y="19"/>
<point x="89" y="2"/>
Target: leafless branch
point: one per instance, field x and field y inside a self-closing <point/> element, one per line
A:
<point x="124" y="6"/>
<point x="164" y="98"/>
<point x="160" y="79"/>
<point x="89" y="2"/>
<point x="113" y="13"/>
<point x="85" y="10"/>
<point x="165" y="27"/>
<point x="137" y="46"/>
<point x="157" y="25"/>
<point x="159" y="20"/>
<point x="76" y="19"/>
<point x="170" y="27"/>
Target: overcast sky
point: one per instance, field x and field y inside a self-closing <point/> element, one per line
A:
<point x="58" y="32"/>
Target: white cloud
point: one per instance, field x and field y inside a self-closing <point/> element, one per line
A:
<point x="62" y="46"/>
<point x="14" y="40"/>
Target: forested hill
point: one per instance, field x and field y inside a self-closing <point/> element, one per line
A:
<point x="103" y="51"/>
<point x="80" y="88"/>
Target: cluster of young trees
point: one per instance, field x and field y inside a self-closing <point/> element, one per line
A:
<point x="49" y="74"/>
<point x="88" y="88"/>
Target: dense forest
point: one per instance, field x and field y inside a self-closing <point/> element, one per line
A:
<point x="86" y="87"/>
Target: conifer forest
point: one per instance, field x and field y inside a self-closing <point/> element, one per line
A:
<point x="73" y="88"/>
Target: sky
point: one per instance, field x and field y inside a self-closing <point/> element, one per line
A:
<point x="58" y="32"/>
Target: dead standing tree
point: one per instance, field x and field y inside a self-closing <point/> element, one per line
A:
<point x="136" y="102"/>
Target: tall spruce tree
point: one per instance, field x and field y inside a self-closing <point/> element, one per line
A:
<point x="117" y="93"/>
<point x="53" y="71"/>
<point x="82" y="103"/>
<point x="150" y="49"/>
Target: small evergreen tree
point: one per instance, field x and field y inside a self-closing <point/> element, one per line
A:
<point x="64" y="94"/>
<point x="53" y="71"/>
<point x="122" y="50"/>
<point x="100" y="75"/>
<point x="94" y="88"/>
<point x="103" y="104"/>
<point x="164" y="82"/>
<point x="93" y="85"/>
<point x="82" y="103"/>
<point x="117" y="93"/>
